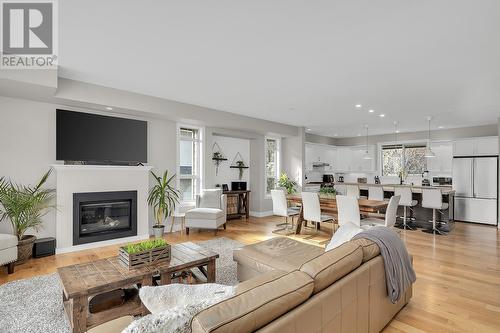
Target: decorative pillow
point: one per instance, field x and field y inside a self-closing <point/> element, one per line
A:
<point x="342" y="235"/>
<point x="162" y="298"/>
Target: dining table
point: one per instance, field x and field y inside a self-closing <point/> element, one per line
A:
<point x="328" y="205"/>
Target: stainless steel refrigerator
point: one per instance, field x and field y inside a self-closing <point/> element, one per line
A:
<point x="475" y="181"/>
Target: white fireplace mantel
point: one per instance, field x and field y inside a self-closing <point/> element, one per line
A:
<point x="98" y="178"/>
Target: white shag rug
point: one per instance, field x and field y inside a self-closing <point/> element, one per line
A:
<point x="35" y="305"/>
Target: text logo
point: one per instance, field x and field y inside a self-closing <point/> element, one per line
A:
<point x="28" y="28"/>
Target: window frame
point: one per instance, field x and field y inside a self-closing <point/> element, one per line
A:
<point x="197" y="173"/>
<point x="278" y="162"/>
<point x="403" y="146"/>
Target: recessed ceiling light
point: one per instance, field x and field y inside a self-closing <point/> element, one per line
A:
<point x="335" y="134"/>
<point x="398" y="131"/>
<point x="381" y="115"/>
<point x="308" y="129"/>
<point x="440" y="127"/>
<point x="109" y="108"/>
<point x="371" y="110"/>
<point x="358" y="105"/>
<point x="359" y="134"/>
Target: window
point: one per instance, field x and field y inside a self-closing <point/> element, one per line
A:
<point x="272" y="163"/>
<point x="189" y="162"/>
<point x="403" y="158"/>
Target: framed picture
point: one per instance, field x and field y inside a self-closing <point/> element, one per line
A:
<point x="225" y="188"/>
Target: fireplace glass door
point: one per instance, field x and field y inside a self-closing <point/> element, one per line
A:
<point x="105" y="217"/>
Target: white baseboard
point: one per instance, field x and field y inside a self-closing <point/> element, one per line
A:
<point x="101" y="244"/>
<point x="261" y="214"/>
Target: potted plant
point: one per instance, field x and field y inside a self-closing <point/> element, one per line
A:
<point x="327" y="191"/>
<point x="286" y="182"/>
<point x="163" y="197"/>
<point x="24" y="206"/>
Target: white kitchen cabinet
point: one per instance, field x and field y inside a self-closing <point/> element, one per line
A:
<point x="483" y="146"/>
<point x="486" y="146"/>
<point x="442" y="162"/>
<point x="344" y="156"/>
<point x="320" y="154"/>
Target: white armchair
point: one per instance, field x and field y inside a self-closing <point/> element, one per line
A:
<point x="210" y="211"/>
<point x="8" y="251"/>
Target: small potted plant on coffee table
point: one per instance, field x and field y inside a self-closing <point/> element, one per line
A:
<point x="163" y="197"/>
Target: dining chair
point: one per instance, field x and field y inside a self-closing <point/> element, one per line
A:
<point x="390" y="215"/>
<point x="280" y="207"/>
<point x="376" y="193"/>
<point x="312" y="209"/>
<point x="353" y="191"/>
<point x="433" y="199"/>
<point x="407" y="202"/>
<point x="347" y="210"/>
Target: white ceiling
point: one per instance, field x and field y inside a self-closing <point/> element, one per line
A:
<point x="304" y="63"/>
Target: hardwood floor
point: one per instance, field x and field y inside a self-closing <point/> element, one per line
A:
<point x="458" y="276"/>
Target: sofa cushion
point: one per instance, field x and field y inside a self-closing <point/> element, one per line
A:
<point x="256" y="306"/>
<point x="333" y="265"/>
<point x="370" y="249"/>
<point x="7" y="241"/>
<point x="280" y="253"/>
<point x="210" y="198"/>
<point x="205" y="213"/>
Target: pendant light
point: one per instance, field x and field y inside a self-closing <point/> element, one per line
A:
<point x="367" y="154"/>
<point x="428" y="150"/>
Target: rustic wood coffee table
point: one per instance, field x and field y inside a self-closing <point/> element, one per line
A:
<point x="82" y="281"/>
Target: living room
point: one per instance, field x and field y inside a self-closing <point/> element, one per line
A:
<point x="258" y="165"/>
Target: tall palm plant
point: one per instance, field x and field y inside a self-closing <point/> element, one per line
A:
<point x="25" y="205"/>
<point x="163" y="197"/>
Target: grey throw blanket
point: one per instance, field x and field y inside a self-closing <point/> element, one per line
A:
<point x="399" y="273"/>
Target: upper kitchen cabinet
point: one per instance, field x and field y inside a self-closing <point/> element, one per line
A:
<point x="344" y="156"/>
<point x="352" y="159"/>
<point x="320" y="155"/>
<point x="443" y="160"/>
<point x="484" y="146"/>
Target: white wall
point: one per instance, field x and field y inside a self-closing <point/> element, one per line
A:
<point x="293" y="156"/>
<point x="28" y="146"/>
<point x="230" y="147"/>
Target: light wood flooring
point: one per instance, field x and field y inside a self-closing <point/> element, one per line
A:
<point x="458" y="276"/>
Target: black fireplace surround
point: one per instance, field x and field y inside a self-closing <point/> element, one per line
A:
<point x="99" y="216"/>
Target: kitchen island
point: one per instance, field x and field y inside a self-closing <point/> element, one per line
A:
<point x="422" y="215"/>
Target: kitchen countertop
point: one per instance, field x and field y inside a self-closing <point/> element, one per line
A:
<point x="390" y="187"/>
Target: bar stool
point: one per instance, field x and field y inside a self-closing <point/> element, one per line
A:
<point x="433" y="199"/>
<point x="407" y="202"/>
<point x="376" y="193"/>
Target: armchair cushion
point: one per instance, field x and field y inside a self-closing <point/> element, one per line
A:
<point x="7" y="241"/>
<point x="205" y="213"/>
<point x="209" y="199"/>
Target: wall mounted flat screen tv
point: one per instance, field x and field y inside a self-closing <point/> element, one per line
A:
<point x="97" y="139"/>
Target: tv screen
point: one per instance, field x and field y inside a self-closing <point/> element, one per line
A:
<point x="100" y="139"/>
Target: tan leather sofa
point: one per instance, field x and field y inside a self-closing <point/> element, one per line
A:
<point x="292" y="287"/>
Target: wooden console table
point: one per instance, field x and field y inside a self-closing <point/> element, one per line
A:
<point x="82" y="281"/>
<point x="243" y="209"/>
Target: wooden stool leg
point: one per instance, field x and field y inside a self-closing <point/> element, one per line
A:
<point x="172" y="224"/>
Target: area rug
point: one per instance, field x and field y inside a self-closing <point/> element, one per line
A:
<point x="35" y="305"/>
